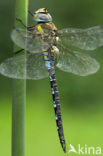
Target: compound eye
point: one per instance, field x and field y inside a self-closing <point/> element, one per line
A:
<point x="46" y="11"/>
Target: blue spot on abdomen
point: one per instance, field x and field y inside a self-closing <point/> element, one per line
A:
<point x="47" y="64"/>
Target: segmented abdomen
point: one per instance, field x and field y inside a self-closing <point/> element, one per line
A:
<point x="49" y="63"/>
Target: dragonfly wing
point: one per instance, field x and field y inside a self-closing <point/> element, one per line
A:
<point x="26" y="40"/>
<point x="76" y="62"/>
<point x="87" y="39"/>
<point x="26" y="66"/>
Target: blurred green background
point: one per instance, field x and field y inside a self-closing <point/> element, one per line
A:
<point x="81" y="97"/>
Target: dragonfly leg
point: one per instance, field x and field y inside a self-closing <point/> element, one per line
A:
<point x="19" y="20"/>
<point x="27" y="27"/>
<point x="30" y="13"/>
<point x="18" y="51"/>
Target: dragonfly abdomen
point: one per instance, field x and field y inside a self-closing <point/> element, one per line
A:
<point x="49" y="63"/>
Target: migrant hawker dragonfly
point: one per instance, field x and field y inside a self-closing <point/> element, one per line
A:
<point x="49" y="48"/>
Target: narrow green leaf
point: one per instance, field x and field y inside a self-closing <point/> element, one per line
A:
<point x="19" y="91"/>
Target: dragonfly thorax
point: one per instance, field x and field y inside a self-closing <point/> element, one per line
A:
<point x="47" y="33"/>
<point x="46" y="30"/>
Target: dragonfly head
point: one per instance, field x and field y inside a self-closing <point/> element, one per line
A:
<point x="42" y="15"/>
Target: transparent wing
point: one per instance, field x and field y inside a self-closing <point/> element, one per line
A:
<point x="76" y="62"/>
<point x="87" y="39"/>
<point x="29" y="66"/>
<point x="26" y="40"/>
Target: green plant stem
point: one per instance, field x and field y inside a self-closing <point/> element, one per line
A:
<point x="19" y="93"/>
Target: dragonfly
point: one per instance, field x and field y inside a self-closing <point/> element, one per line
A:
<point x="48" y="48"/>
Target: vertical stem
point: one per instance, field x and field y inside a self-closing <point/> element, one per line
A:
<point x="19" y="92"/>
